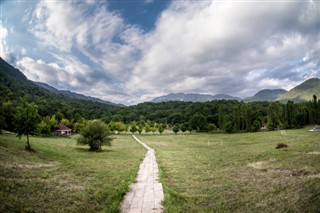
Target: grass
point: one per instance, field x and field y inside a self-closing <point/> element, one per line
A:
<point x="62" y="177"/>
<point x="239" y="172"/>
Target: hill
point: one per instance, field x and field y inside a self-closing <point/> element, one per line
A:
<point x="73" y="94"/>
<point x="303" y="92"/>
<point x="14" y="85"/>
<point x="266" y="95"/>
<point x="192" y="97"/>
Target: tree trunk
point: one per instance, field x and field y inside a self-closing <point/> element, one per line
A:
<point x="28" y="147"/>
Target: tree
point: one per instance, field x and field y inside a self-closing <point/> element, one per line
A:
<point x="47" y="125"/>
<point x="198" y="122"/>
<point x="175" y="129"/>
<point x="147" y="128"/>
<point x="26" y="120"/>
<point x="228" y="127"/>
<point x="140" y="128"/>
<point x="133" y="127"/>
<point x="160" y="128"/>
<point x="184" y="127"/>
<point x="256" y="125"/>
<point x="95" y="134"/>
<point x="212" y="127"/>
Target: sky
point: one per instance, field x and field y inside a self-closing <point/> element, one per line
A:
<point x="130" y="51"/>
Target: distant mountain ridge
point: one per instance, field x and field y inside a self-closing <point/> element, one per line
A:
<point x="266" y="95"/>
<point x="302" y="92"/>
<point x="73" y="94"/>
<point x="192" y="97"/>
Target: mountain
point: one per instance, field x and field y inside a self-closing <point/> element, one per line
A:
<point x="192" y="97"/>
<point x="14" y="84"/>
<point x="72" y="94"/>
<point x="302" y="92"/>
<point x="266" y="95"/>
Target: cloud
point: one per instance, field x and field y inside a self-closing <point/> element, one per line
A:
<point x="215" y="47"/>
<point x="5" y="53"/>
<point x="211" y="47"/>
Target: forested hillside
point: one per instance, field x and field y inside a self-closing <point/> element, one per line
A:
<point x="14" y="85"/>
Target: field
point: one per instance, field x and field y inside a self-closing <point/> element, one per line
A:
<point x="62" y="177"/>
<point x="239" y="172"/>
<point x="200" y="173"/>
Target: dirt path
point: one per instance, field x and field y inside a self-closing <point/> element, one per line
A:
<point x="146" y="194"/>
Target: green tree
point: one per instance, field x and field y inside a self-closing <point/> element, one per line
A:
<point x="133" y="127"/>
<point x="26" y="120"/>
<point x="175" y="129"/>
<point x="212" y="127"/>
<point x="140" y="128"/>
<point x="228" y="127"/>
<point x="160" y="128"/>
<point x="198" y="122"/>
<point x="95" y="134"/>
<point x="43" y="128"/>
<point x="184" y="127"/>
<point x="256" y="126"/>
<point x="147" y="128"/>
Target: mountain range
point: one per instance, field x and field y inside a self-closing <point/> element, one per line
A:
<point x="302" y="92"/>
<point x="15" y="82"/>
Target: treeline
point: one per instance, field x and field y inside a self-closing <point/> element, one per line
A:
<point x="228" y="116"/>
<point x="217" y="115"/>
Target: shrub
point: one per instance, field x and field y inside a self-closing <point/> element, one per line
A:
<point x="95" y="134"/>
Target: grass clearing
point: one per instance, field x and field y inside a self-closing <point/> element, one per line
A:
<point x="62" y="177"/>
<point x="239" y="172"/>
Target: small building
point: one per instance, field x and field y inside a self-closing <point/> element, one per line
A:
<point x="63" y="130"/>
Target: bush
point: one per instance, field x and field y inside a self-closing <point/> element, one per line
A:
<point x="95" y="134"/>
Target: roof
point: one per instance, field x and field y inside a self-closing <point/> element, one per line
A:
<point x="62" y="127"/>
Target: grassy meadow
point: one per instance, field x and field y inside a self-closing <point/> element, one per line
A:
<point x="239" y="172"/>
<point x="62" y="177"/>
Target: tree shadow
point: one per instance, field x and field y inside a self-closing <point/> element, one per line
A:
<point x="87" y="150"/>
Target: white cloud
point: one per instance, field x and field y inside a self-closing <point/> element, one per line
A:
<point x="210" y="47"/>
<point x="205" y="47"/>
<point x="4" y="49"/>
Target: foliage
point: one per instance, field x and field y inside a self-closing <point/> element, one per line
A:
<point x="255" y="126"/>
<point x="47" y="126"/>
<point x="95" y="134"/>
<point x="198" y="122"/>
<point x="175" y="129"/>
<point x="26" y="120"/>
<point x="211" y="127"/>
<point x="228" y="127"/>
<point x="160" y="128"/>
<point x="133" y="127"/>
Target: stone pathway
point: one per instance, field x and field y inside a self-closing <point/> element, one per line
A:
<point x="146" y="194"/>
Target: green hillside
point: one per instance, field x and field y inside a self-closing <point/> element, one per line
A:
<point x="303" y="92"/>
<point x="14" y="85"/>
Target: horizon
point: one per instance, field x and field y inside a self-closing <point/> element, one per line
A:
<point x="131" y="52"/>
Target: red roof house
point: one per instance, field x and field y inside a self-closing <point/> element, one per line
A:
<point x="63" y="130"/>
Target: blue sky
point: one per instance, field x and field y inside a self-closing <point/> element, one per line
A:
<point x="131" y="51"/>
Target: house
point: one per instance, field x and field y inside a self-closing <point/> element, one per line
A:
<point x="63" y="130"/>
